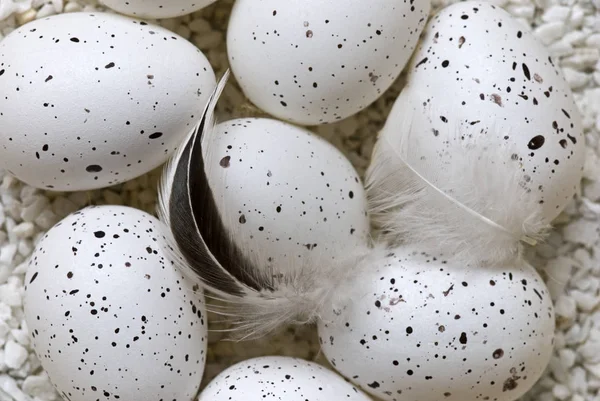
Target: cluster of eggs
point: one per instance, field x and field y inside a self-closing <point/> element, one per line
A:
<point x="112" y="100"/>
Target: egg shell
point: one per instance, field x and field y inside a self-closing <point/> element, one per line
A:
<point x="288" y="194"/>
<point x="506" y="92"/>
<point x="156" y="8"/>
<point x="280" y="378"/>
<point x="109" y="315"/>
<point x="313" y="62"/>
<point x="424" y="329"/>
<point x="97" y="99"/>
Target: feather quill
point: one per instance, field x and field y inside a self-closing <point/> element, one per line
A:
<point x="475" y="206"/>
<point x="257" y="299"/>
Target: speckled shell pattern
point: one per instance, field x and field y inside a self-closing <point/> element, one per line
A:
<point x="109" y="316"/>
<point x="288" y="194"/>
<point x="423" y="329"/>
<point x="282" y="379"/>
<point x="328" y="59"/>
<point x="103" y="97"/>
<point x="156" y="8"/>
<point x="482" y="79"/>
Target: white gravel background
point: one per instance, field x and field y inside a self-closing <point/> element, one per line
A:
<point x="570" y="261"/>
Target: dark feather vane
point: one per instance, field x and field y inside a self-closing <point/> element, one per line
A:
<point x="196" y="223"/>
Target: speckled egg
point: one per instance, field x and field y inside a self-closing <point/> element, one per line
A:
<point x="422" y="328"/>
<point x="97" y="99"/>
<point x="286" y="193"/>
<point x="313" y="62"/>
<point x="156" y="8"/>
<point x="109" y="315"/>
<point x="280" y="378"/>
<point x="506" y="93"/>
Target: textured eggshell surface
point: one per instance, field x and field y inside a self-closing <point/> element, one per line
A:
<point x="156" y="8"/>
<point x="506" y="92"/>
<point x="423" y="329"/>
<point x="320" y="61"/>
<point x="286" y="193"/>
<point x="109" y="316"/>
<point x="97" y="99"/>
<point x="280" y="378"/>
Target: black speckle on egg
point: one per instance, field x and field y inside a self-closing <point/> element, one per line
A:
<point x="536" y="142"/>
<point x="93" y="168"/>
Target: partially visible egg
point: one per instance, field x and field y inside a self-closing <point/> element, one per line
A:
<point x="312" y="62"/>
<point x="109" y="315"/>
<point x="423" y="328"/>
<point x="279" y="378"/>
<point x="506" y="92"/>
<point x="97" y="99"/>
<point x="286" y="194"/>
<point x="156" y="8"/>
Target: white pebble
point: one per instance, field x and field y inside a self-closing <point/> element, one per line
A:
<point x="582" y="58"/>
<point x="112" y="197"/>
<point x="549" y="32"/>
<point x="561" y="391"/>
<point x="593" y="369"/>
<point x="577" y="15"/>
<point x="72" y="7"/>
<point x="147" y="196"/>
<point x="25" y="16"/>
<point x="24" y="230"/>
<point x="593" y="41"/>
<point x="63" y="206"/>
<point x="7" y="253"/>
<point x="585" y="301"/>
<point x="524" y="10"/>
<point x="33" y="208"/>
<point x="575" y="79"/>
<point x="566" y="307"/>
<point x="577" y="397"/>
<point x="209" y="40"/>
<point x="46" y="220"/>
<point x="79" y="198"/>
<point x="40" y="387"/>
<point x="4" y="330"/>
<point x="10" y="295"/>
<point x="556" y="13"/>
<point x="14" y="354"/>
<point x="20" y="269"/>
<point x="184" y="32"/>
<point x="20" y="336"/>
<point x="9" y="386"/>
<point x="577" y="382"/>
<point x="567" y="357"/>
<point x="575" y="38"/>
<point x="590" y="350"/>
<point x="200" y="25"/>
<point x="25" y="247"/>
<point x="5" y="312"/>
<point x="170" y="23"/>
<point x="46" y="11"/>
<point x="560" y="49"/>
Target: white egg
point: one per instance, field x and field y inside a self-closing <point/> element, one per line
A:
<point x="313" y="62"/>
<point x="286" y="193"/>
<point x="423" y="328"/>
<point x="97" y="99"/>
<point x="156" y="8"/>
<point x="109" y="316"/>
<point x="506" y="93"/>
<point x="280" y="378"/>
